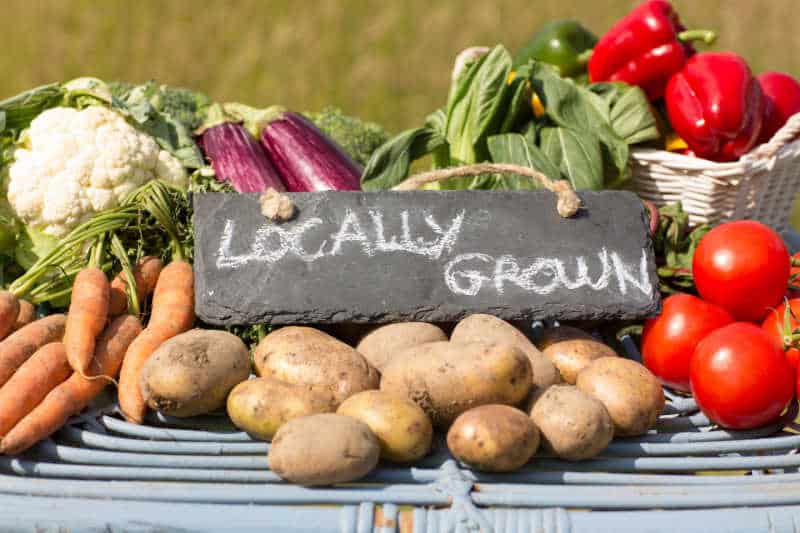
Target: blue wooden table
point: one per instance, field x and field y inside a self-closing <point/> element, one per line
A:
<point x="100" y="473"/>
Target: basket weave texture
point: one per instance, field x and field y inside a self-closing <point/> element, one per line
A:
<point x="762" y="185"/>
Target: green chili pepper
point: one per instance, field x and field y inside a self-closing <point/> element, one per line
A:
<point x="563" y="43"/>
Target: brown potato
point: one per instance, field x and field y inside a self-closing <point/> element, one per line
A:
<point x="323" y="449"/>
<point x="448" y="378"/>
<point x="401" y="426"/>
<point x="261" y="406"/>
<point x="493" y="438"/>
<point x="631" y="393"/>
<point x="307" y="356"/>
<point x="493" y="330"/>
<point x="192" y="373"/>
<point x="383" y="343"/>
<point x="571" y="350"/>
<point x="573" y="425"/>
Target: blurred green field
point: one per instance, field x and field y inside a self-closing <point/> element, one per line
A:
<point x="388" y="61"/>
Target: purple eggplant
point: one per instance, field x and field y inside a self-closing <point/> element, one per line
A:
<point x="306" y="158"/>
<point x="236" y="156"/>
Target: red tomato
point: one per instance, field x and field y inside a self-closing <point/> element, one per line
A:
<point x="740" y="378"/>
<point x="742" y="266"/>
<point x="668" y="341"/>
<point x="774" y="325"/>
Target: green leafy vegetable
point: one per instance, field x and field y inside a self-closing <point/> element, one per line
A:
<point x="390" y="163"/>
<point x="581" y="111"/>
<point x="578" y="156"/>
<point x="171" y="134"/>
<point x="477" y="105"/>
<point x="675" y="243"/>
<point x="204" y="180"/>
<point x="516" y="149"/>
<point x="184" y="105"/>
<point x="17" y="112"/>
<point x="628" y="111"/>
<point x="31" y="245"/>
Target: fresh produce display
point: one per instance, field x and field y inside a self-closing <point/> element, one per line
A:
<point x="97" y="252"/>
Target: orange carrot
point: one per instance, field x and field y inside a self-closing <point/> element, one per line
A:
<point x="31" y="383"/>
<point x="20" y="345"/>
<point x="173" y="298"/>
<point x="88" y="312"/>
<point x="172" y="313"/>
<point x="145" y="274"/>
<point x="74" y="394"/>
<point x="9" y="310"/>
<point x="26" y="315"/>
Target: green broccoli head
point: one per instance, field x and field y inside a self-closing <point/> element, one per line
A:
<point x="184" y="105"/>
<point x="358" y="138"/>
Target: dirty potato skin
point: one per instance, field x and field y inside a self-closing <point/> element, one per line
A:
<point x="571" y="350"/>
<point x="192" y="373"/>
<point x="492" y="330"/>
<point x="401" y="426"/>
<point x="323" y="449"/>
<point x="493" y="438"/>
<point x="573" y="425"/>
<point x="261" y="406"/>
<point x="303" y="355"/>
<point x="447" y="378"/>
<point x="383" y="343"/>
<point x="631" y="394"/>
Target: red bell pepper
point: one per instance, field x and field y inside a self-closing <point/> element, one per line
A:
<point x="782" y="100"/>
<point x="715" y="104"/>
<point x="645" y="48"/>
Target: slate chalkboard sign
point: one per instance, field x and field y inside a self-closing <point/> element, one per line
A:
<point x="423" y="255"/>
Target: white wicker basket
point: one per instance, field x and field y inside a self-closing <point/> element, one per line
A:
<point x="761" y="186"/>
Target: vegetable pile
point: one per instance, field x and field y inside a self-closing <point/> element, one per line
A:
<point x="96" y="251"/>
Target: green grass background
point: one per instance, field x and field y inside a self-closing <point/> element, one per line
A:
<point x="388" y="61"/>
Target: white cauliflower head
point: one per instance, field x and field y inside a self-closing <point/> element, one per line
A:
<point x="74" y="164"/>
